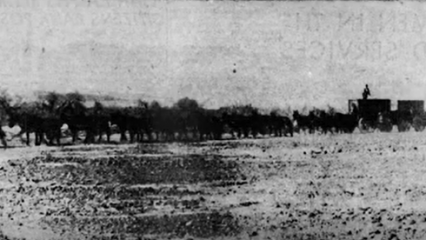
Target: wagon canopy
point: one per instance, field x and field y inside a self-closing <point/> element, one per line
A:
<point x="416" y="105"/>
<point x="370" y="108"/>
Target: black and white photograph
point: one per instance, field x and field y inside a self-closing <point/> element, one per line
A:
<point x="212" y="119"/>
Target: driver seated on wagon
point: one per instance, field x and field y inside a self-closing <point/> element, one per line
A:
<point x="366" y="92"/>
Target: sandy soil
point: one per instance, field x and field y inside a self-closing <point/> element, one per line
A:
<point x="359" y="186"/>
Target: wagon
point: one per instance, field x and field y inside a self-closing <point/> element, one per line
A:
<point x="418" y="115"/>
<point x="409" y="113"/>
<point x="373" y="114"/>
<point x="419" y="122"/>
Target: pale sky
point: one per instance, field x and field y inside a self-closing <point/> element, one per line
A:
<point x="267" y="53"/>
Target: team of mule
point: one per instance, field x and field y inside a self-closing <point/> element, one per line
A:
<point x="186" y="120"/>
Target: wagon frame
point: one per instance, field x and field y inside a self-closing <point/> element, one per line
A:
<point x="372" y="114"/>
<point x="410" y="113"/>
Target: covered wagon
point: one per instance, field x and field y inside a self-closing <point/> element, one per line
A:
<point x="372" y="114"/>
<point x="409" y="113"/>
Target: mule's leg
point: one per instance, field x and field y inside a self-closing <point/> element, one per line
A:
<point x="92" y="137"/>
<point x="58" y="137"/>
<point x="74" y="135"/>
<point x="20" y="136"/>
<point x="3" y="138"/>
<point x="108" y="133"/>
<point x="42" y="139"/>
<point x="28" y="138"/>
<point x="51" y="138"/>
<point x="123" y="136"/>
<point x="100" y="136"/>
<point x="139" y="136"/>
<point x="89" y="137"/>
<point x="132" y="136"/>
<point x="149" y="133"/>
<point x="3" y="141"/>
<point x="36" y="138"/>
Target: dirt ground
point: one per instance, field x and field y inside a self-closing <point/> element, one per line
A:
<point x="358" y="186"/>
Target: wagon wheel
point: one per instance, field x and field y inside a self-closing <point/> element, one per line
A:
<point x="365" y="126"/>
<point x="403" y="126"/>
<point x="418" y="124"/>
<point x="385" y="125"/>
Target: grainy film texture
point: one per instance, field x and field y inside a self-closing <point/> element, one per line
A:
<point x="125" y="119"/>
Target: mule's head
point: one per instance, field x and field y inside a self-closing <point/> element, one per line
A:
<point x="13" y="116"/>
<point x="72" y="109"/>
<point x="296" y="114"/>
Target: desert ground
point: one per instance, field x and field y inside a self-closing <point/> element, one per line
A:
<point x="348" y="186"/>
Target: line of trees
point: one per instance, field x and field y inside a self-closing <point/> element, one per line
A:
<point x="186" y="120"/>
